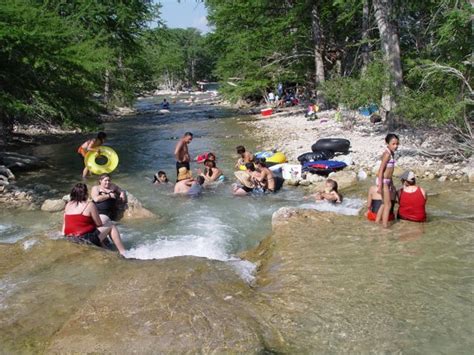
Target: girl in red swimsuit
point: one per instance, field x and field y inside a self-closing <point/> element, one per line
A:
<point x="82" y="221"/>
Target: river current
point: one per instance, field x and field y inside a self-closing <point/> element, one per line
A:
<point x="218" y="226"/>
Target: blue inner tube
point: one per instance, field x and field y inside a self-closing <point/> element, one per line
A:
<point x="323" y="167"/>
<point x="335" y="145"/>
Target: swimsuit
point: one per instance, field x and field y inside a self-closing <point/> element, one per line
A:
<point x="390" y="165"/>
<point x="374" y="208"/>
<point x="107" y="207"/>
<point x="81" y="228"/>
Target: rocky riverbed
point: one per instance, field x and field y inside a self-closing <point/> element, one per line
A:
<point x="291" y="132"/>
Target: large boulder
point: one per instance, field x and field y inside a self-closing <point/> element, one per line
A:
<point x="344" y="178"/>
<point x="53" y="205"/>
<point x="133" y="209"/>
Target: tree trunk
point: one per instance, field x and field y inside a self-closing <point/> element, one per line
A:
<point x="107" y="87"/>
<point x="318" y="53"/>
<point x="391" y="49"/>
<point x="365" y="35"/>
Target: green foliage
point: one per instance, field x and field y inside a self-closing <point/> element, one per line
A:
<point x="54" y="54"/>
<point x="421" y="108"/>
<point x="356" y="92"/>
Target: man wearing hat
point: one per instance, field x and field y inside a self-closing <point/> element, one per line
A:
<point x="412" y="199"/>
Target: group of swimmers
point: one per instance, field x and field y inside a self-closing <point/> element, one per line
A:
<point x="92" y="221"/>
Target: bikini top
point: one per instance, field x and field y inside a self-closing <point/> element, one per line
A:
<point x="391" y="162"/>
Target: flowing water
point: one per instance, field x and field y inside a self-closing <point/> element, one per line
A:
<point x="218" y="226"/>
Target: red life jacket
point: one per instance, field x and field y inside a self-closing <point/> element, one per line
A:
<point x="412" y="206"/>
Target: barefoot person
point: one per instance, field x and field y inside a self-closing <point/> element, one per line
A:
<point x="181" y="153"/>
<point x="82" y="222"/>
<point x="92" y="145"/>
<point x="106" y="197"/>
<point x="384" y="177"/>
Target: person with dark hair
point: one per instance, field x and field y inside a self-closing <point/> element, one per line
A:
<point x="82" y="222"/>
<point x="245" y="156"/>
<point x="384" y="180"/>
<point x="181" y="153"/>
<point x="165" y="105"/>
<point x="247" y="181"/>
<point x="211" y="172"/>
<point x="106" y="197"/>
<point x="91" y="145"/>
<point x="330" y="192"/>
<point x="191" y="187"/>
<point x="266" y="178"/>
<point x="412" y="199"/>
<point x="160" y="178"/>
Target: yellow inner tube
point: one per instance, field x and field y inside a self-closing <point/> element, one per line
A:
<point x="98" y="169"/>
<point x="277" y="158"/>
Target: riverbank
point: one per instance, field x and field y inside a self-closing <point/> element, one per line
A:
<point x="420" y="150"/>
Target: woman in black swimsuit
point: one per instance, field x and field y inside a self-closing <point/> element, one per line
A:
<point x="106" y="196"/>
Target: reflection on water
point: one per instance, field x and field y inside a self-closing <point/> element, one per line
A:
<point x="337" y="284"/>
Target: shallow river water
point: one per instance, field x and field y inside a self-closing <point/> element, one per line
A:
<point x="428" y="269"/>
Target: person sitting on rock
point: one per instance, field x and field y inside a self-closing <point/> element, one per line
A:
<point x="412" y="199"/>
<point x="329" y="193"/>
<point x="82" y="222"/>
<point x="107" y="196"/>
<point x="245" y="156"/>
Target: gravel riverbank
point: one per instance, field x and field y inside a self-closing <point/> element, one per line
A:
<point x="292" y="133"/>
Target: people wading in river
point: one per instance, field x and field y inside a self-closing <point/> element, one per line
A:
<point x="211" y="173"/>
<point x="82" y="222"/>
<point x="245" y="156"/>
<point x="266" y="178"/>
<point x="91" y="145"/>
<point x="384" y="177"/>
<point x="412" y="199"/>
<point x="191" y="187"/>
<point x="106" y="197"/>
<point x="181" y="153"/>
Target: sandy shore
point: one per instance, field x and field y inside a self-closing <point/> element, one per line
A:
<point x="293" y="134"/>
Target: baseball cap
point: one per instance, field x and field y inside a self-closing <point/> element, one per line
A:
<point x="408" y="176"/>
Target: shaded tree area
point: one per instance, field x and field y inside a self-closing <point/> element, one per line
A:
<point x="63" y="62"/>
<point x="411" y="58"/>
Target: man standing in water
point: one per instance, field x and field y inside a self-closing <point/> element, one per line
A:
<point x="181" y="153"/>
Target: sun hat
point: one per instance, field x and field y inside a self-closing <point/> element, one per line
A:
<point x="184" y="174"/>
<point x="408" y="176"/>
<point x="245" y="179"/>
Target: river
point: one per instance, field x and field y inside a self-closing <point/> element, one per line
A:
<point x="199" y="240"/>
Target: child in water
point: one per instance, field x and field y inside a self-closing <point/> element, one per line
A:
<point x="92" y="145"/>
<point x="384" y="178"/>
<point x="160" y="178"/>
<point x="329" y="193"/>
